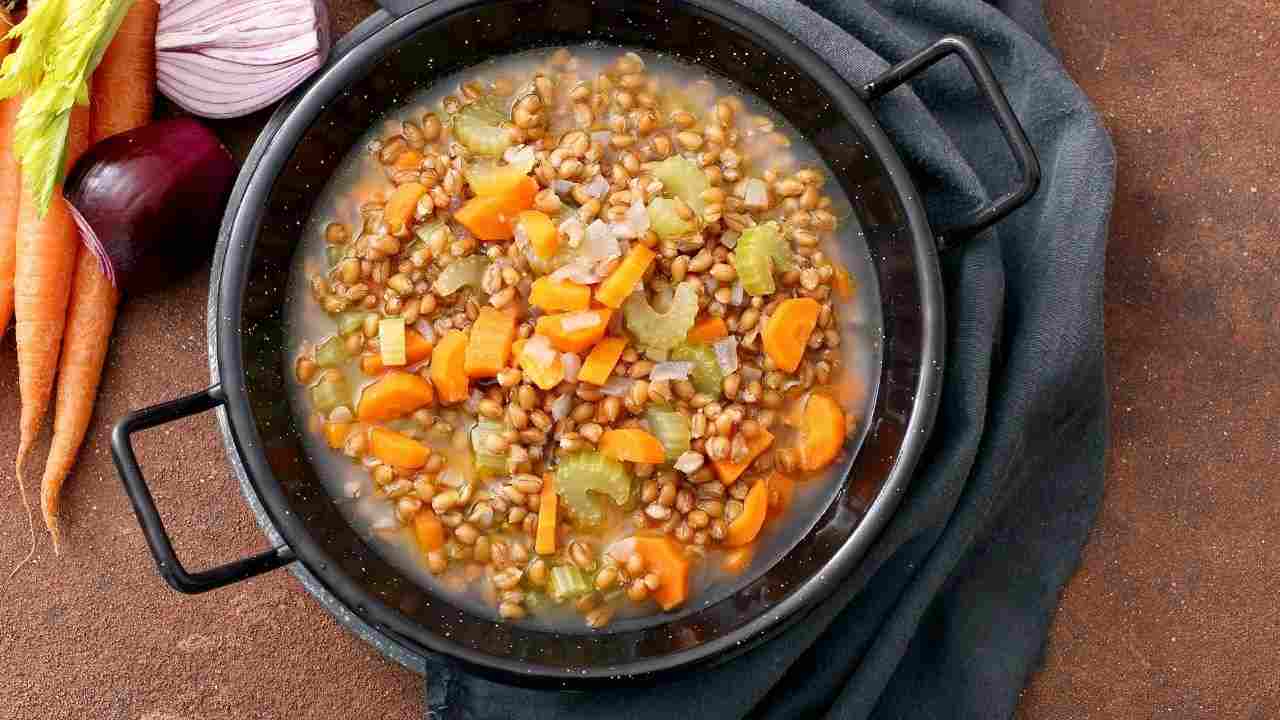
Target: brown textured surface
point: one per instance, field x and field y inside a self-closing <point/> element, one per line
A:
<point x="1172" y="614"/>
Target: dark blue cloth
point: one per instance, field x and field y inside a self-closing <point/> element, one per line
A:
<point x="947" y="615"/>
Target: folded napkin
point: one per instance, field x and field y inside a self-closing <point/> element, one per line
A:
<point x="947" y="614"/>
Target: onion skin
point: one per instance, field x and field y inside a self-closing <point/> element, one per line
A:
<point x="149" y="201"/>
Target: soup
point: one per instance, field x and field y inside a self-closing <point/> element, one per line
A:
<point x="582" y="334"/>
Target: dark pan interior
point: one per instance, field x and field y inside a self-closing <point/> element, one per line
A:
<point x="267" y="230"/>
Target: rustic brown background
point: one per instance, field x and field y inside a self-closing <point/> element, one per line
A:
<point x="1172" y="615"/>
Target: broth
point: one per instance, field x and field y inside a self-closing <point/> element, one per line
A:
<point x="361" y="178"/>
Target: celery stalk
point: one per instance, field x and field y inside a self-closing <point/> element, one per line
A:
<point x="671" y="428"/>
<point x="331" y="353"/>
<point x="662" y="331"/>
<point x="586" y="474"/>
<point x="706" y="374"/>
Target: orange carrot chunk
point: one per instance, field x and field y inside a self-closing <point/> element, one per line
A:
<point x="335" y="434"/>
<point x="394" y="395"/>
<point x="428" y="530"/>
<point x="491" y="217"/>
<point x="416" y="349"/>
<point x="400" y="208"/>
<point x="664" y="557"/>
<point x="557" y="295"/>
<point x="545" y="544"/>
<point x="738" y="559"/>
<point x="730" y="471"/>
<point x="632" y="445"/>
<point x="746" y="526"/>
<point x="707" y="331"/>
<point x="541" y="232"/>
<point x="543" y="368"/>
<point x="600" y="363"/>
<point x="574" y="332"/>
<point x="787" y="333"/>
<point x="615" y="288"/>
<point x="489" y="347"/>
<point x="781" y="489"/>
<point x="395" y="449"/>
<point x="822" y="432"/>
<point x="449" y="368"/>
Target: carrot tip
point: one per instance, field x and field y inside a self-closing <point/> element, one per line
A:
<point x="31" y="523"/>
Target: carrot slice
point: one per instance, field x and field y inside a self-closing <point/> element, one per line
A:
<point x="615" y="288"/>
<point x="738" y="559"/>
<point x="491" y="217"/>
<point x="449" y="368"/>
<point x="842" y="281"/>
<point x="545" y="374"/>
<point x="603" y="358"/>
<point x="396" y="394"/>
<point x="489" y="348"/>
<point x="787" y="333"/>
<point x="822" y="432"/>
<point x="707" y="331"/>
<point x="556" y="295"/>
<point x="746" y="526"/>
<point x="781" y="489"/>
<point x="545" y="544"/>
<point x="428" y="530"/>
<point x="393" y="448"/>
<point x="574" y="332"/>
<point x="665" y="558"/>
<point x="416" y="349"/>
<point x="335" y="433"/>
<point x="408" y="160"/>
<point x="730" y="471"/>
<point x="541" y="232"/>
<point x="632" y="445"/>
<point x="400" y="208"/>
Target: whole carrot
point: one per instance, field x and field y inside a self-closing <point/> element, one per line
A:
<point x="42" y="285"/>
<point x="123" y="98"/>
<point x="10" y="178"/>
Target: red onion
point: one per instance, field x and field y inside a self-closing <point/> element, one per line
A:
<point x="227" y="58"/>
<point x="148" y="201"/>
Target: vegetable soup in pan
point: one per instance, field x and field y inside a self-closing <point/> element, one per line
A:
<point x="581" y="336"/>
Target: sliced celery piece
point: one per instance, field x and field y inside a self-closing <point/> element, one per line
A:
<point x="467" y="271"/>
<point x="331" y="353"/>
<point x="487" y="463"/>
<point x="567" y="582"/>
<point x="760" y="250"/>
<point x="671" y="428"/>
<point x="666" y="222"/>
<point x="662" y="331"/>
<point x="391" y="341"/>
<point x="477" y="126"/>
<point x="586" y="473"/>
<point x="682" y="178"/>
<point x="351" y="321"/>
<point x="706" y="375"/>
<point x="330" y="394"/>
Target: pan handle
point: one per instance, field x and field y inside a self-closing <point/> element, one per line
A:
<point x="997" y="103"/>
<point x="144" y="505"/>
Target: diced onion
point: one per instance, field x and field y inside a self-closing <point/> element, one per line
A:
<point x="560" y="407"/>
<point x="739" y="294"/>
<point x="539" y="351"/>
<point x="617" y="386"/>
<point x="521" y="156"/>
<point x="572" y="364"/>
<point x="473" y="402"/>
<point x="600" y="244"/>
<point x="755" y="194"/>
<point x="562" y="187"/>
<point x="578" y="272"/>
<point x="575" y="321"/>
<point x="597" y="187"/>
<point x="689" y="462"/>
<point x="426" y="330"/>
<point x="670" y="371"/>
<point x="573" y="231"/>
<point x="635" y="223"/>
<point x="601" y="136"/>
<point x="726" y="350"/>
<point x="729" y="238"/>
